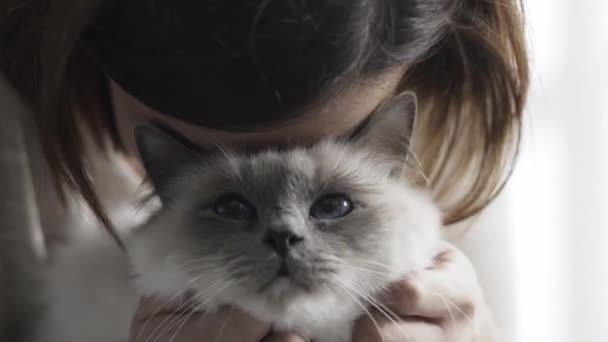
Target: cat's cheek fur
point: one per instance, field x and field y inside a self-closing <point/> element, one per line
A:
<point x="413" y="228"/>
<point x="154" y="260"/>
<point x="417" y="230"/>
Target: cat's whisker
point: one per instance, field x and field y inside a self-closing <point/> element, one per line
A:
<point x="449" y="304"/>
<point x="363" y="307"/>
<point x="417" y="165"/>
<point x="252" y="268"/>
<point x="198" y="308"/>
<point x="166" y="323"/>
<point x="167" y="302"/>
<point x="221" y="332"/>
<point x="190" y="257"/>
<point x="159" y="330"/>
<point x="390" y="315"/>
<point x="183" y="321"/>
<point x="366" y="270"/>
<point x="186" y="318"/>
<point x="189" y="260"/>
<point x="380" y="309"/>
<point x="375" y="264"/>
<point x="169" y="321"/>
<point x="200" y="268"/>
<point x="237" y="261"/>
<point x="221" y="262"/>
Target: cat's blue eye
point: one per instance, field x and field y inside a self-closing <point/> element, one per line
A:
<point x="234" y="207"/>
<point x="331" y="207"/>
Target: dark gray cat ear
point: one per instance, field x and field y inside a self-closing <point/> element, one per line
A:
<point x="389" y="130"/>
<point x="163" y="157"/>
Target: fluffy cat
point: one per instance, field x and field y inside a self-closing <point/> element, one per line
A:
<point x="300" y="237"/>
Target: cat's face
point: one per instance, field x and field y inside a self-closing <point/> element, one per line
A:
<point x="281" y="226"/>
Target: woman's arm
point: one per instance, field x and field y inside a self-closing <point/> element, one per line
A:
<point x="20" y="259"/>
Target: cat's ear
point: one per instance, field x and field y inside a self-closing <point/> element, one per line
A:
<point x="163" y="157"/>
<point x="389" y="129"/>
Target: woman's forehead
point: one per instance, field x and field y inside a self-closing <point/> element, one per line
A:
<point x="346" y="108"/>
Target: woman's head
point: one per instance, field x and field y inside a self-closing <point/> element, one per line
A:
<point x="297" y="69"/>
<point x="234" y="64"/>
<point x="268" y="66"/>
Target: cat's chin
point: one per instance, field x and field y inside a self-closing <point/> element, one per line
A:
<point x="289" y="307"/>
<point x="276" y="294"/>
<point x="283" y="290"/>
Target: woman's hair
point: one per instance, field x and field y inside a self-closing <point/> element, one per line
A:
<point x="465" y="59"/>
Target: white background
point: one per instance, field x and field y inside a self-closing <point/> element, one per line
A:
<point x="548" y="277"/>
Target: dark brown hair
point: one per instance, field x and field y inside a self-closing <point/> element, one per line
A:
<point x="465" y="59"/>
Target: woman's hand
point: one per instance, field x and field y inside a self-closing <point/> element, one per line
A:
<point x="442" y="303"/>
<point x="166" y="322"/>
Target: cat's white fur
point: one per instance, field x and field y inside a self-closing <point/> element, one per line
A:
<point x="326" y="318"/>
<point x="91" y="297"/>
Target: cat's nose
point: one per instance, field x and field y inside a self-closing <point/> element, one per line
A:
<point x="281" y="240"/>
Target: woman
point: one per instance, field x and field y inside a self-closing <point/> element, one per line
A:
<point x="266" y="73"/>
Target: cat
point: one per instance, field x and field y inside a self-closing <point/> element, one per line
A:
<point x="301" y="237"/>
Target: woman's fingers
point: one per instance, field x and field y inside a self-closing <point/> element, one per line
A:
<point x="410" y="331"/>
<point x="162" y="322"/>
<point x="448" y="289"/>
<point x="283" y="337"/>
<point x="226" y="325"/>
<point x="442" y="303"/>
<point x="379" y="328"/>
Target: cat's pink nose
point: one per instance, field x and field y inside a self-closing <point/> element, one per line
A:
<point x="281" y="241"/>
